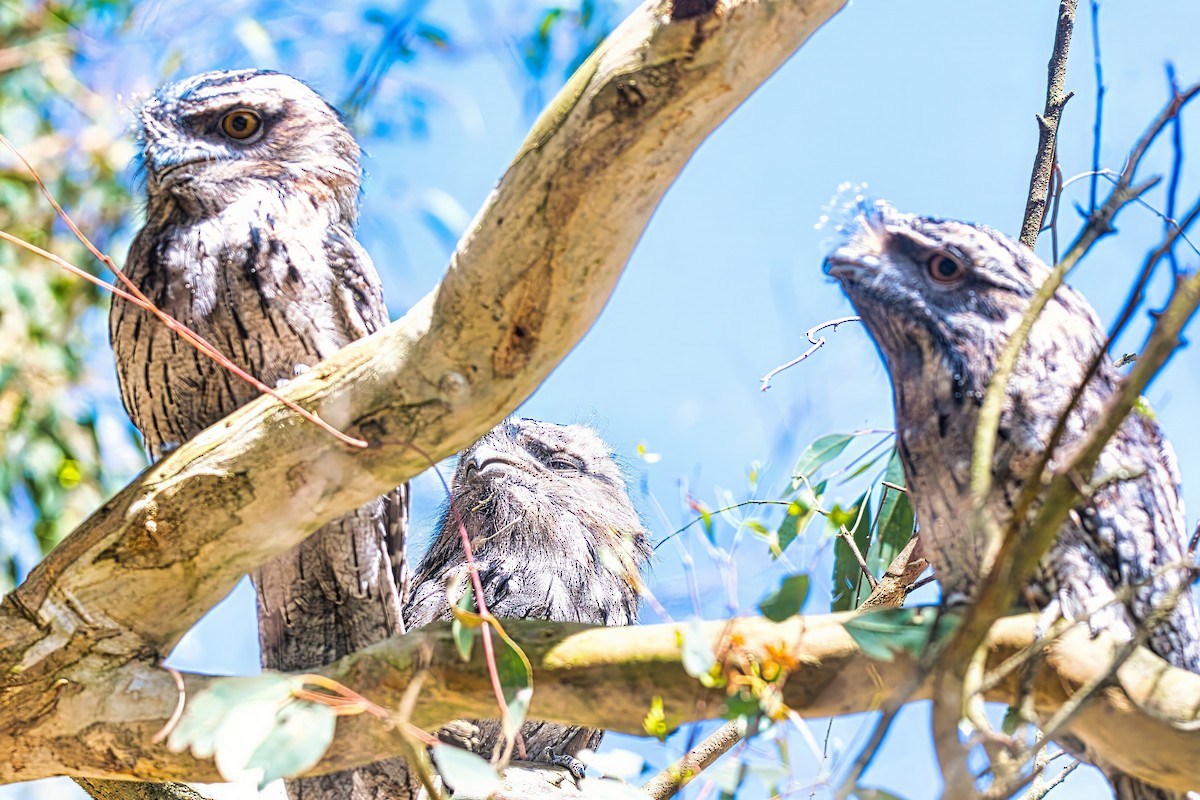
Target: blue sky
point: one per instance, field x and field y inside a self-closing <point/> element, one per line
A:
<point x="930" y="104"/>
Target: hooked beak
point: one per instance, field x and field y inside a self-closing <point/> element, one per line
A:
<point x="486" y="457"/>
<point x="844" y="266"/>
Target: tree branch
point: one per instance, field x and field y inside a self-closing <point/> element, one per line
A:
<point x="1056" y="99"/>
<point x="1145" y="723"/>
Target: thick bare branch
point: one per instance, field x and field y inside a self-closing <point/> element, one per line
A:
<point x="608" y="677"/>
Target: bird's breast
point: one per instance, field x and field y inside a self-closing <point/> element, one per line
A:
<point x="253" y="281"/>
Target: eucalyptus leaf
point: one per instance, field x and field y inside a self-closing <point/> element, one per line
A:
<point x="209" y="710"/>
<point x="785" y="601"/>
<point x="800" y="512"/>
<point x="240" y="734"/>
<point x="818" y="454"/>
<point x="464" y="626"/>
<point x="896" y="520"/>
<point x="516" y="677"/>
<point x="301" y="735"/>
<point x="883" y="633"/>
<point x="850" y="586"/>
<point x="697" y="653"/>
<point x="464" y="772"/>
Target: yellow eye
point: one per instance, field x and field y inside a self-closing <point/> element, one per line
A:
<point x="241" y="124"/>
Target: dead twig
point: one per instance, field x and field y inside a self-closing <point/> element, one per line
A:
<point x="817" y="344"/>
<point x="1056" y="99"/>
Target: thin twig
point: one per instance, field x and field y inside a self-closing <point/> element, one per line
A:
<point x="173" y="720"/>
<point x="1057" y="191"/>
<point x="1040" y="792"/>
<point x="1100" y="90"/>
<point x="1176" y="168"/>
<point x="847" y="536"/>
<point x="711" y="514"/>
<point x="510" y="728"/>
<point x="1056" y="99"/>
<point x="817" y="344"/>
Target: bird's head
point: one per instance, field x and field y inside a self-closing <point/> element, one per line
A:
<point x="528" y="480"/>
<point x="940" y="297"/>
<point x="214" y="133"/>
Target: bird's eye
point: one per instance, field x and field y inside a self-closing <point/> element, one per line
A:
<point x="945" y="269"/>
<point x="240" y="124"/>
<point x="562" y="462"/>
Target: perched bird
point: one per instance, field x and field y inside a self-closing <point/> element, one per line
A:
<point x="252" y="186"/>
<point x="941" y="298"/>
<point x="554" y="536"/>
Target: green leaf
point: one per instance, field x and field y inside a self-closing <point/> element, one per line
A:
<point x="516" y="678"/>
<point x="818" y="454"/>
<point x="464" y="772"/>
<point x="1012" y="721"/>
<point x="757" y="526"/>
<point x="786" y="600"/>
<point x="799" y="514"/>
<point x="221" y="716"/>
<point x="860" y="469"/>
<point x="850" y="586"/>
<point x="254" y="727"/>
<point x="464" y="625"/>
<point x="301" y="735"/>
<point x="744" y="707"/>
<point x="696" y="651"/>
<point x="884" y="633"/>
<point x="896" y="521"/>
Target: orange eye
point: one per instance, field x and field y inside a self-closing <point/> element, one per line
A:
<point x="945" y="269"/>
<point x="241" y="124"/>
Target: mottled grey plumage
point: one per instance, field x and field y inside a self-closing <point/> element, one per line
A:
<point x="252" y="188"/>
<point x="941" y="298"/>
<point x="554" y="536"/>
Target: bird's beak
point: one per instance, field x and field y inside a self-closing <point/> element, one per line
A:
<point x="844" y="265"/>
<point x="485" y="456"/>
